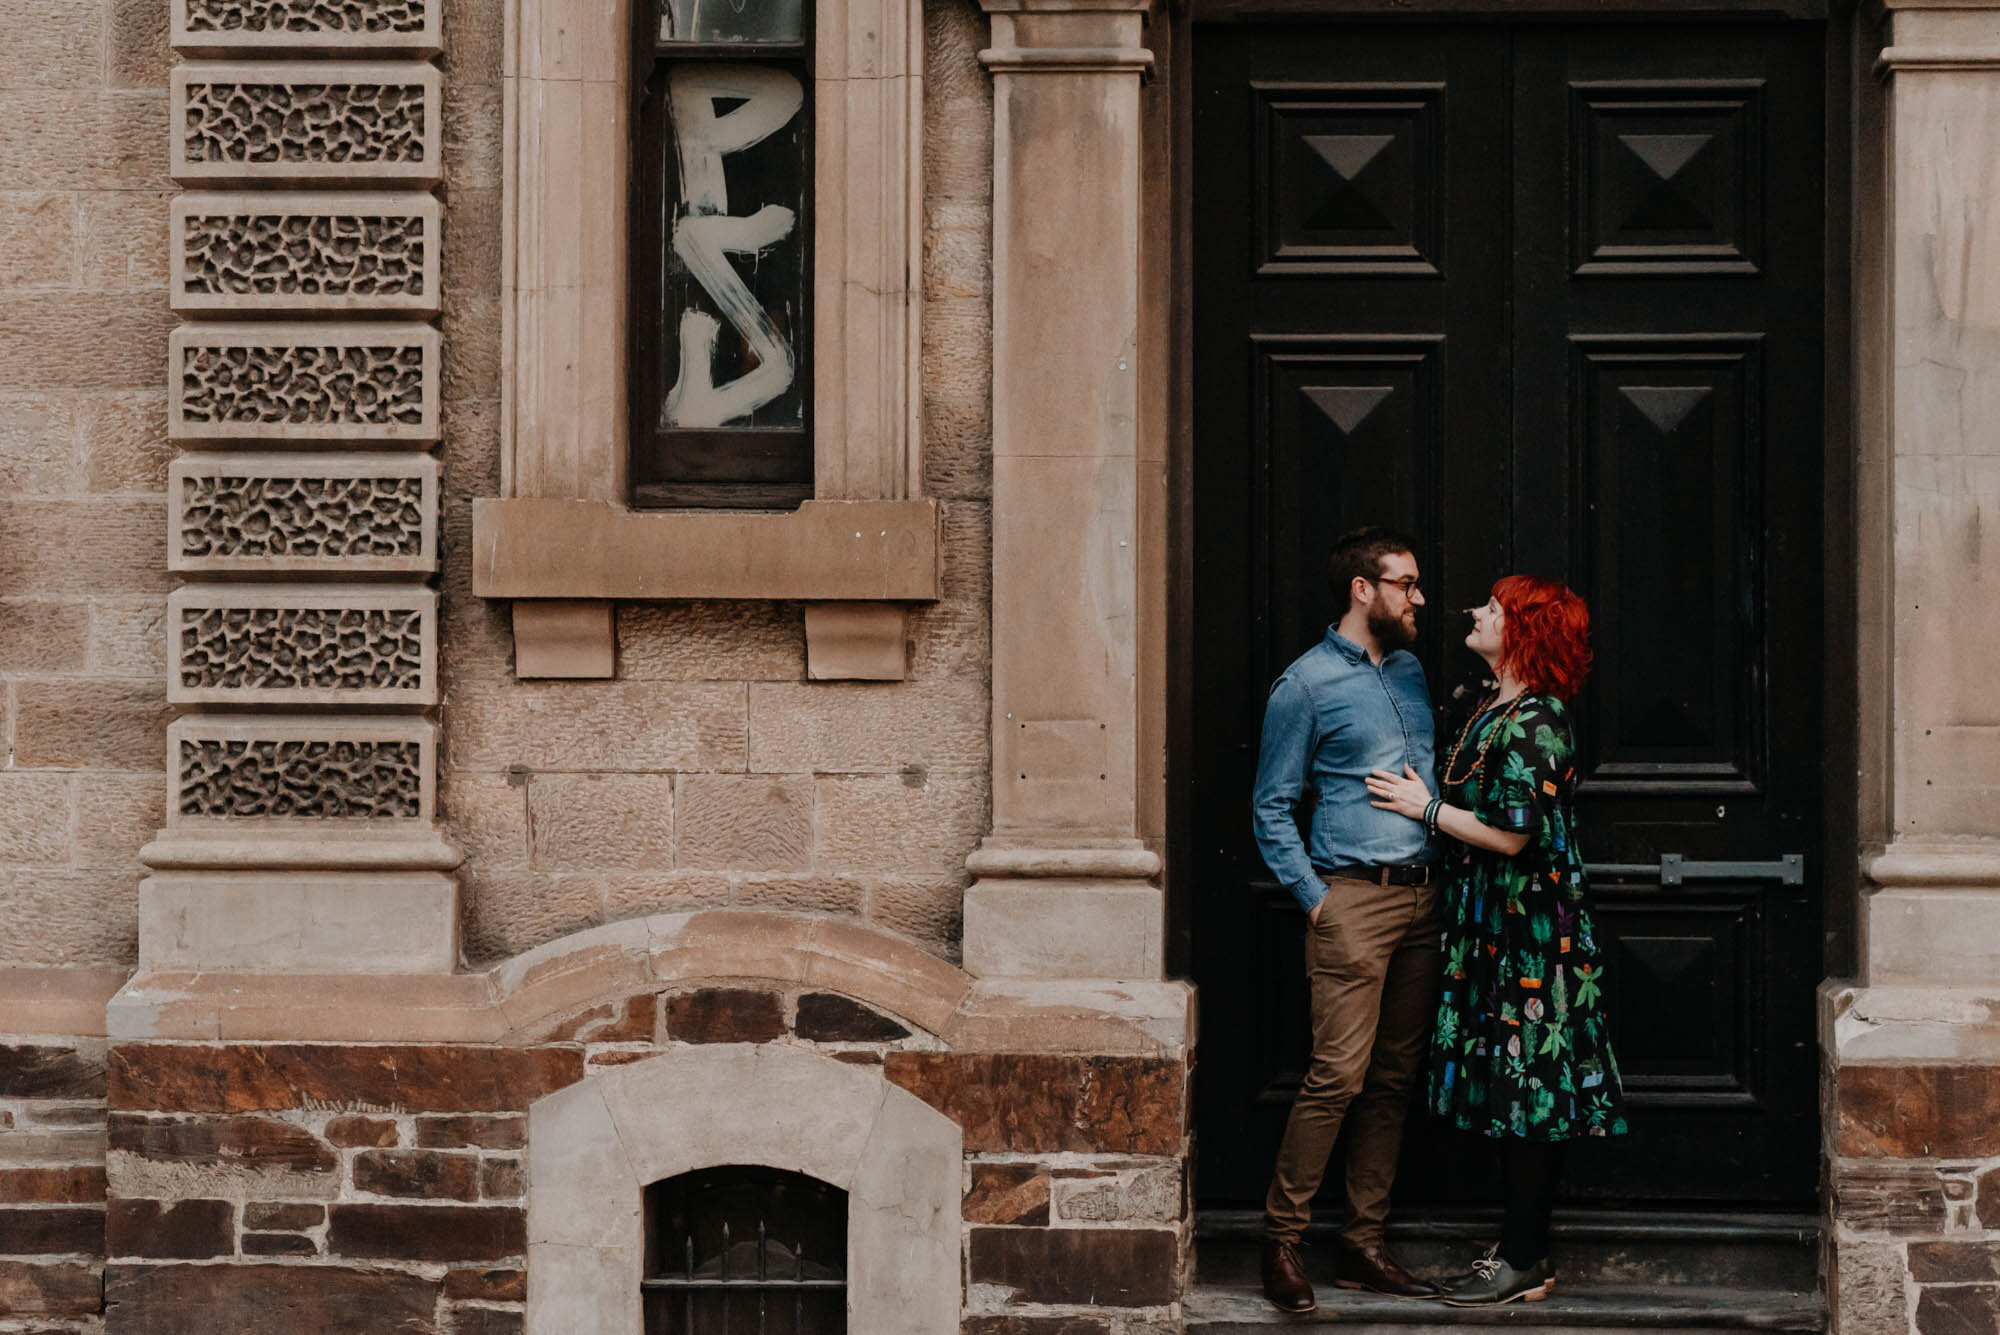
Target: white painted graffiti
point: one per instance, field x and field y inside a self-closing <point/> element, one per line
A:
<point x="706" y="234"/>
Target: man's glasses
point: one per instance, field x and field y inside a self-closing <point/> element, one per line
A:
<point x="1408" y="583"/>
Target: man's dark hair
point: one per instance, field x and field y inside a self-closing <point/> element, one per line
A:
<point x="1358" y="553"/>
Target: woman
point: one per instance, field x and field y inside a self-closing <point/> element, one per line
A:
<point x="1522" y="1049"/>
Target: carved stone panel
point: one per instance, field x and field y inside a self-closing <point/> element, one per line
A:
<point x="346" y="514"/>
<point x="316" y="771"/>
<point x="304" y="382"/>
<point x="302" y="645"/>
<point x="311" y="27"/>
<point x="259" y="253"/>
<point x="306" y="121"/>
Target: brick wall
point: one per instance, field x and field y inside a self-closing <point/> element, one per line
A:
<point x="334" y="1183"/>
<point x="1915" y="1177"/>
<point x="83" y="454"/>
<point x="710" y="772"/>
<point x="52" y="1213"/>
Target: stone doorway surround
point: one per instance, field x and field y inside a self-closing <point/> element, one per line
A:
<point x="596" y="1146"/>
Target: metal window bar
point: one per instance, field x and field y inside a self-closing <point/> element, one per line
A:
<point x="763" y="1284"/>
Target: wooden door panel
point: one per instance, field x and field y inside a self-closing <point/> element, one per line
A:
<point x="1349" y="178"/>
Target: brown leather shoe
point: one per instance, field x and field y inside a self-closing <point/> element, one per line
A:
<point x="1372" y="1268"/>
<point x="1285" y="1281"/>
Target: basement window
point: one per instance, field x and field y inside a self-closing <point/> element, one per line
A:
<point x="745" y="1251"/>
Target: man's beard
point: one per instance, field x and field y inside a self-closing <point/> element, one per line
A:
<point x="1391" y="632"/>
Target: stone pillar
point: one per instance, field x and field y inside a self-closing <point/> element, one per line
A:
<point x="1062" y="885"/>
<point x="1914" y="1052"/>
<point x="301" y="775"/>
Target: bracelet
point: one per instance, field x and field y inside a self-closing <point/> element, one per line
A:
<point x="1431" y="811"/>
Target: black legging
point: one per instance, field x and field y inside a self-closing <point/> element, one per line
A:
<point x="1530" y="1170"/>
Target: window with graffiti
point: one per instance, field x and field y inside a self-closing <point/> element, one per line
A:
<point x="722" y="256"/>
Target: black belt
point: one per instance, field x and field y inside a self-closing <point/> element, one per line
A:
<point x="1415" y="873"/>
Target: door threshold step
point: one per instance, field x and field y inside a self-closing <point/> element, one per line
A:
<point x="1233" y="1309"/>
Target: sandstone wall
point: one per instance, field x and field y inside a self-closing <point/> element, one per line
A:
<point x="83" y="456"/>
<point x="710" y="772"/>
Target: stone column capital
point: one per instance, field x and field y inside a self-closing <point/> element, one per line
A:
<point x="1939" y="35"/>
<point x="1068" y="37"/>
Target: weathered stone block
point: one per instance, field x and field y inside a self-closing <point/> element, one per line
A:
<point x="486" y="1286"/>
<point x="724" y="1015"/>
<point x="425" y="1174"/>
<point x="46" y="1232"/>
<point x="278" y="1244"/>
<point x="88" y="724"/>
<point x="622" y="822"/>
<point x="304" y="382"/>
<point x="351" y="514"/>
<point x="44" y="1145"/>
<point x="485" y="1321"/>
<point x="76" y="1184"/>
<point x="597" y="726"/>
<point x="68" y="918"/>
<point x="1865" y="1289"/>
<point x="633" y="1020"/>
<point x="1101" y="1267"/>
<point x="827" y="1017"/>
<point x="111" y="141"/>
<point x="51" y="1071"/>
<point x="170" y="1230"/>
<point x="115" y="815"/>
<point x="94" y="547"/>
<point x="328" y="1300"/>
<point x="1037" y="1325"/>
<point x="832" y="727"/>
<point x="257" y="1142"/>
<point x="350" y="1132"/>
<point x="242" y="1077"/>
<point x="140" y="56"/>
<point x="746" y="822"/>
<point x="239" y="767"/>
<point x="64" y="1288"/>
<point x="1112" y="1196"/>
<point x="124" y="443"/>
<point x="39" y="636"/>
<point x="1874" y="1196"/>
<point x="37" y="237"/>
<point x="1987" y="1202"/>
<point x="1008" y="1193"/>
<point x="122" y="244"/>
<point x="1958" y="1309"/>
<point x="502" y="1179"/>
<point x="428" y="1232"/>
<point x="307" y="122"/>
<point x="472" y="1132"/>
<point x="312" y="27"/>
<point x="81" y="340"/>
<point x="923" y="819"/>
<point x="286" y="1215"/>
<point x="302" y="645"/>
<point x="1955" y="1262"/>
<point x="34" y="819"/>
<point x="1027" y="1103"/>
<point x="262" y="253"/>
<point x="705" y="640"/>
<point x="1913" y="1112"/>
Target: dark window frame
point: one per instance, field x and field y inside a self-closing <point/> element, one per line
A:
<point x="694" y="468"/>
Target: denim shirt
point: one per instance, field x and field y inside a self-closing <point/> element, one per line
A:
<point x="1332" y="717"/>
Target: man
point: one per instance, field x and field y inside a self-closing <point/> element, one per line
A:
<point x="1354" y="702"/>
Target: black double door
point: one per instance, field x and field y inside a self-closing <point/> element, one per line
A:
<point x="1550" y="297"/>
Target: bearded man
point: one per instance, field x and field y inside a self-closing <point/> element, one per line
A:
<point x="1353" y="703"/>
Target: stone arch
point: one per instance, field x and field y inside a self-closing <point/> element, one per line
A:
<point x="594" y="1147"/>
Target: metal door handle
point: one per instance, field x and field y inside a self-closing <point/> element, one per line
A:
<point x="1674" y="869"/>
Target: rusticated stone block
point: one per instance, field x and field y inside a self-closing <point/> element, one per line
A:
<point x="327" y="1300"/>
<point x="1865" y="1288"/>
<point x="423" y="1174"/>
<point x="63" y="1288"/>
<point x="1101" y="1267"/>
<point x="249" y="1077"/>
<point x="284" y="254"/>
<point x="358" y="515"/>
<point x="302" y="645"/>
<point x="285" y="1215"/>
<point x="73" y="1184"/>
<point x="278" y="1244"/>
<point x="1031" y="1103"/>
<point x="622" y="822"/>
<point x="724" y="1015"/>
<point x="428" y="1232"/>
<point x="1008" y="1193"/>
<point x="473" y="1132"/>
<point x="1888" y="1197"/>
<point x="304" y="382"/>
<point x="745" y="822"/>
<point x="256" y="1142"/>
<point x="1955" y="1262"/>
<point x="350" y="1132"/>
<point x="37" y="636"/>
<point x="88" y="724"/>
<point x="170" y="1230"/>
<point x="1111" y="1195"/>
<point x="45" y="1232"/>
<point x="1918" y="1112"/>
<point x="307" y="122"/>
<point x="828" y="1017"/>
<point x="373" y="27"/>
<point x="486" y="1286"/>
<point x="38" y="1071"/>
<point x="485" y="1321"/>
<point x="1958" y="1309"/>
<point x="240" y="767"/>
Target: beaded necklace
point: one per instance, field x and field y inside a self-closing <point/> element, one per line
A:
<point x="1479" y="760"/>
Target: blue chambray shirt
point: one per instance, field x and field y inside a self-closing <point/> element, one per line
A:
<point x="1333" y="716"/>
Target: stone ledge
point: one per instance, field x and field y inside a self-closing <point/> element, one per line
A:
<point x="57" y="1002"/>
<point x="871" y="551"/>
<point x="1960" y="863"/>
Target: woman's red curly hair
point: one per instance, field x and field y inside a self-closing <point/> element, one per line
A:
<point x="1546" y="636"/>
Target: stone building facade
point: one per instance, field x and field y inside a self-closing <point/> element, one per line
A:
<point x="411" y="851"/>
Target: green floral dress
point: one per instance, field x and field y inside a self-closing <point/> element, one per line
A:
<point x="1522" y="1046"/>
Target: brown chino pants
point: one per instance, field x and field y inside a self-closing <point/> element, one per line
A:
<point x="1372" y="961"/>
